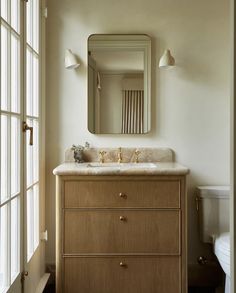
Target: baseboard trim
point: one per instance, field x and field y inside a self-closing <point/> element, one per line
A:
<point x="51" y="269"/>
<point x="42" y="283"/>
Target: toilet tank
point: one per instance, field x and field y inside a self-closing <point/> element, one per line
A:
<point x="213" y="211"/>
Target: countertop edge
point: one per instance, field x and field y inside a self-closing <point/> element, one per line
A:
<point x="68" y="169"/>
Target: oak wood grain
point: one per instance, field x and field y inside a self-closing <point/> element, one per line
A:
<point x="163" y="194"/>
<point x="153" y="206"/>
<point x="59" y="236"/>
<point x="139" y="275"/>
<point x="122" y="231"/>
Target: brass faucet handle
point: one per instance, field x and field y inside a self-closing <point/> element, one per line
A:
<point x="137" y="153"/>
<point x="102" y="154"/>
<point x="119" y="155"/>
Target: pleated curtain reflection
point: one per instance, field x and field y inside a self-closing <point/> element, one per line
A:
<point x="132" y="111"/>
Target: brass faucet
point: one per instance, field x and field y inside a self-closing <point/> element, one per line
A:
<point x="102" y="154"/>
<point x="119" y="155"/>
<point x="137" y="153"/>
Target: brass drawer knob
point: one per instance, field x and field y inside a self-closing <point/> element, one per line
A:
<point x="122" y="218"/>
<point x="123" y="265"/>
<point x="122" y="195"/>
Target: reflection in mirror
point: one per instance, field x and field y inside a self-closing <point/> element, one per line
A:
<point x="119" y="72"/>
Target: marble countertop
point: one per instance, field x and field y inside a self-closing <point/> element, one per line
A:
<point x="158" y="168"/>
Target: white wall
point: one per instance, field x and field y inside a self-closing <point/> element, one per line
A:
<point x="111" y="102"/>
<point x="190" y="103"/>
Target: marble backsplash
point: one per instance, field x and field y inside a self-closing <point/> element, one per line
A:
<point x="128" y="155"/>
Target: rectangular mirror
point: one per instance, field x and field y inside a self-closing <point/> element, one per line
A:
<point x="119" y="84"/>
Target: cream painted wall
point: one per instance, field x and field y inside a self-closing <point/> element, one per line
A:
<point x="190" y="102"/>
<point x="111" y="101"/>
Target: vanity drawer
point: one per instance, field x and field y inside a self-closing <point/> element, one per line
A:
<point x="124" y="231"/>
<point x="153" y="194"/>
<point x="138" y="275"/>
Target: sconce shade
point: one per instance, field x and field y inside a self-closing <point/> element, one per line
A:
<point x="70" y="60"/>
<point x="166" y="59"/>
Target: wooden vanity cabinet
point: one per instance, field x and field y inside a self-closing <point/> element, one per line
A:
<point x="121" y="234"/>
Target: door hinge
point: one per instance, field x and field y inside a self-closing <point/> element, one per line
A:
<point x="45" y="12"/>
<point x="22" y="279"/>
<point x="44" y="236"/>
<point x="23" y="275"/>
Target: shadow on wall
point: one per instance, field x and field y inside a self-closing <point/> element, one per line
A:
<point x="194" y="238"/>
<point x="52" y="127"/>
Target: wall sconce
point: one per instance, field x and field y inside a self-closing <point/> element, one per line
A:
<point x="166" y="59"/>
<point x="71" y="61"/>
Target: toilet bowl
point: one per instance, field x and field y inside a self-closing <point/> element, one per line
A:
<point x="213" y="208"/>
<point x="222" y="252"/>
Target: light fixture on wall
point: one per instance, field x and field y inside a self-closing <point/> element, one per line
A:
<point x="166" y="59"/>
<point x="71" y="61"/>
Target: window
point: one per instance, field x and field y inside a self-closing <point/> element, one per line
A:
<point x="10" y="144"/>
<point x="19" y="161"/>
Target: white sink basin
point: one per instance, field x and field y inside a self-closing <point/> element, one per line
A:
<point x="121" y="165"/>
<point x="103" y="165"/>
<point x="139" y="165"/>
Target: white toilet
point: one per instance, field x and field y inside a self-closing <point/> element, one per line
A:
<point x="213" y="210"/>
